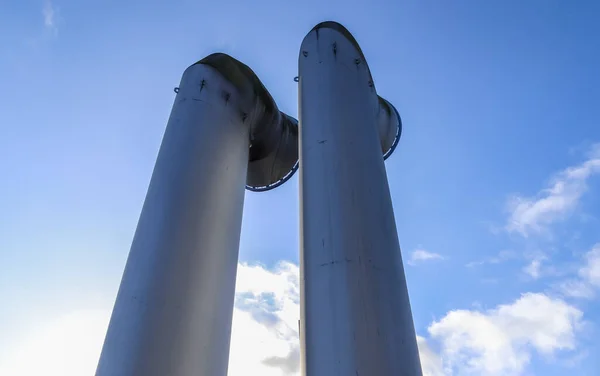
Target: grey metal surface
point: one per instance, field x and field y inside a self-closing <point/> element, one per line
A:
<point x="355" y="310"/>
<point x="273" y="135"/>
<point x="174" y="308"/>
<point x="389" y="126"/>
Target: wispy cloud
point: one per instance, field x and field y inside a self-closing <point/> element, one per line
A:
<point x="576" y="288"/>
<point x="421" y="255"/>
<point x="590" y="272"/>
<point x="534" y="268"/>
<point x="530" y="215"/>
<point x="501" y="257"/>
<point x="588" y="277"/>
<point x="49" y="11"/>
<point x="540" y="265"/>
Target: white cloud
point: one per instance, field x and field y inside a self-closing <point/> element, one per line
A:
<point x="67" y="346"/>
<point x="588" y="277"/>
<point x="590" y="272"/>
<point x="533" y="269"/>
<point x="49" y="11"/>
<point x="265" y="334"/>
<point x="420" y="255"/>
<point x="576" y="288"/>
<point x="555" y="203"/>
<point x="501" y="257"/>
<point x="431" y="362"/>
<point x="254" y="343"/>
<point x="265" y="325"/>
<point x="501" y="341"/>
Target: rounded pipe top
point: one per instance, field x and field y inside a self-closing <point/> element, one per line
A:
<point x="342" y="30"/>
<point x="273" y="135"/>
<point x="388" y="119"/>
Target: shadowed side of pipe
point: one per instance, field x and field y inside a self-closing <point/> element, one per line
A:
<point x="173" y="311"/>
<point x="273" y="136"/>
<point x="355" y="311"/>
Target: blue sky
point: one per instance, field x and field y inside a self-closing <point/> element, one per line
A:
<point x="495" y="181"/>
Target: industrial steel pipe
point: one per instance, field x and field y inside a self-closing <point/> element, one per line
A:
<point x="173" y="312"/>
<point x="355" y="311"/>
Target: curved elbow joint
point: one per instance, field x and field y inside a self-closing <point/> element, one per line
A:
<point x="389" y="126"/>
<point x="273" y="135"/>
<point x="388" y="122"/>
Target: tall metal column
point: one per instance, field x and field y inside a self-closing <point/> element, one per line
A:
<point x="174" y="308"/>
<point x="355" y="310"/>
